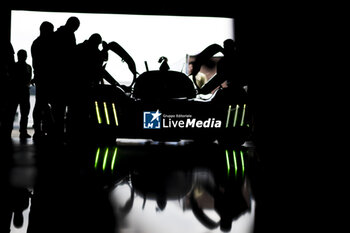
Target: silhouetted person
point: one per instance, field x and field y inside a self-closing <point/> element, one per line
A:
<point x="60" y="88"/>
<point x="20" y="82"/>
<point x="228" y="65"/>
<point x="89" y="72"/>
<point x="6" y="65"/>
<point x="90" y="58"/>
<point x="200" y="78"/>
<point x="43" y="71"/>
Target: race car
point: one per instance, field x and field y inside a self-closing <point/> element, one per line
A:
<point x="168" y="105"/>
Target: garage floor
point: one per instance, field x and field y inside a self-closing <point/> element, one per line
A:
<point x="132" y="185"/>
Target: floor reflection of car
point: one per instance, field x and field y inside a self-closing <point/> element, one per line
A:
<point x="216" y="190"/>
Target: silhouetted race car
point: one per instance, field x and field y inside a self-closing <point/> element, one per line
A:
<point x="168" y="105"/>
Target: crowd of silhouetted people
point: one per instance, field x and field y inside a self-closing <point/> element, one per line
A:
<point x="63" y="72"/>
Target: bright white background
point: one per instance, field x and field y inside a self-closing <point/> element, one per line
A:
<point x="145" y="38"/>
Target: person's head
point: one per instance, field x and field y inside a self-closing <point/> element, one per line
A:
<point x="73" y="23"/>
<point x="22" y="55"/>
<point x="230" y="45"/>
<point x="95" y="40"/>
<point x="46" y="28"/>
<point x="190" y="67"/>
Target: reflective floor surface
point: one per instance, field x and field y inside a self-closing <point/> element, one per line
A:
<point x="138" y="186"/>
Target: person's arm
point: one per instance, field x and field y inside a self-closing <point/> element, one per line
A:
<point x="29" y="75"/>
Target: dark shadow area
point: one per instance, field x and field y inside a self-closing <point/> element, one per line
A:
<point x="66" y="196"/>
